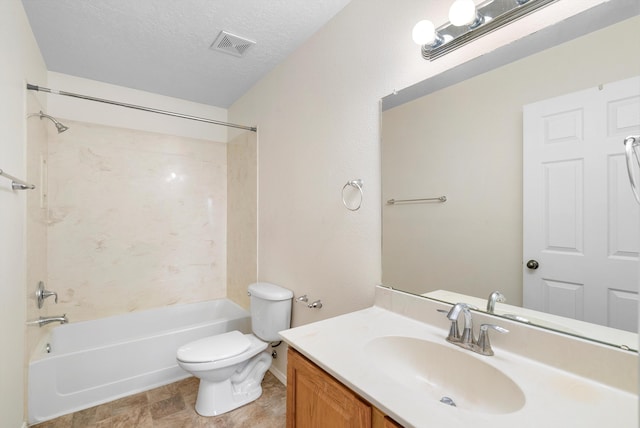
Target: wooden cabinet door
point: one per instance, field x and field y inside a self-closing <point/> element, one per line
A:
<point x="317" y="400"/>
<point x="380" y="420"/>
<point x="390" y="423"/>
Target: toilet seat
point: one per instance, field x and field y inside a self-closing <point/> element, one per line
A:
<point x="214" y="348"/>
<point x="255" y="347"/>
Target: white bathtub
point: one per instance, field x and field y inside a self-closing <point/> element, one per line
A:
<point x="93" y="362"/>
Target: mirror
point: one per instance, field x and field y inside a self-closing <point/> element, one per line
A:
<point x="460" y="135"/>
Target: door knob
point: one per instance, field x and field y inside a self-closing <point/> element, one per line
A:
<point x="533" y="264"/>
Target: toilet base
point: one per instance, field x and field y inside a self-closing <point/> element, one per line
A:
<point x="243" y="387"/>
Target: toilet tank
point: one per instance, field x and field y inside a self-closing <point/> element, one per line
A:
<point x="270" y="310"/>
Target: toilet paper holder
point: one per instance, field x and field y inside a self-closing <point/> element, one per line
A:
<point x="317" y="304"/>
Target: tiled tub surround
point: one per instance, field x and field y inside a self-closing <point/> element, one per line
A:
<point x="96" y="361"/>
<point x="137" y="220"/>
<point x="566" y="381"/>
<point x="242" y="215"/>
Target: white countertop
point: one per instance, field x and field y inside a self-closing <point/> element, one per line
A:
<point x="554" y="398"/>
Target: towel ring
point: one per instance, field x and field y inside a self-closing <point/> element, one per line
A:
<point x="358" y="185"/>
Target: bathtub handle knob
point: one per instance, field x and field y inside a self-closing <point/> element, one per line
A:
<point x="42" y="294"/>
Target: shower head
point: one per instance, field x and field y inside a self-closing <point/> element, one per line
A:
<point x="60" y="127"/>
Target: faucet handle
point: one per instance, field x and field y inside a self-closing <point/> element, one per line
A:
<point x="484" y="346"/>
<point x="47" y="293"/>
<point x="486" y="327"/>
<point x="42" y="294"/>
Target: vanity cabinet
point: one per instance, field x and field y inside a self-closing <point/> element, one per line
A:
<point x="316" y="399"/>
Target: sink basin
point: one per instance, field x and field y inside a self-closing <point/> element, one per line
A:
<point x="444" y="373"/>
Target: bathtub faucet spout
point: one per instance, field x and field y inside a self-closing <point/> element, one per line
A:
<point x="46" y="320"/>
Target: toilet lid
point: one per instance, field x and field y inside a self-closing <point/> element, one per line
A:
<point x="214" y="348"/>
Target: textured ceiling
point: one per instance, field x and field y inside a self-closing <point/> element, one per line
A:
<point x="163" y="46"/>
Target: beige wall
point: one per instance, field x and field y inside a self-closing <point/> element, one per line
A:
<point x="465" y="142"/>
<point x="242" y="221"/>
<point x="121" y="117"/>
<point x="21" y="62"/>
<point x="318" y="127"/>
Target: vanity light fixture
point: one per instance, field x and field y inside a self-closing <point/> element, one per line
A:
<point x="465" y="12"/>
<point x="468" y="22"/>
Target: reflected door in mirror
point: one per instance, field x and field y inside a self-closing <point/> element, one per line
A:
<point x="580" y="219"/>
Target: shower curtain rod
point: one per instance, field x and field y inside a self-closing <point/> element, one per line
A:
<point x="136" y="107"/>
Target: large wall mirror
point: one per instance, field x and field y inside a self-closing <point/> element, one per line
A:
<point x="460" y="135"/>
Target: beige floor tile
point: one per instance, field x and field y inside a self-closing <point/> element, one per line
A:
<point x="173" y="406"/>
<point x="103" y="411"/>
<point x="134" y="417"/>
<point x="163" y="392"/>
<point x="121" y="405"/>
<point x="61" y="422"/>
<point x="188" y="385"/>
<point x="168" y="406"/>
<point x="84" y="418"/>
<point x="182" y="419"/>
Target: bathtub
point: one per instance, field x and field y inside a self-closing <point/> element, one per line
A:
<point x="93" y="362"/>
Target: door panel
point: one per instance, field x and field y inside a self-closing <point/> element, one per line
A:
<point x="563" y="298"/>
<point x="563" y="206"/>
<point x="623" y="221"/>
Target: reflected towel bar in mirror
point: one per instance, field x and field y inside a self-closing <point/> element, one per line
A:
<point x="16" y="183"/>
<point x="399" y="201"/>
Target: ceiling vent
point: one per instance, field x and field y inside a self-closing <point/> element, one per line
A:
<point x="232" y="44"/>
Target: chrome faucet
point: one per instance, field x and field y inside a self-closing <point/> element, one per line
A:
<point x="467" y="340"/>
<point x="47" y="320"/>
<point x="494" y="297"/>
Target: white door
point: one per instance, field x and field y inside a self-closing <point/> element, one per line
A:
<point x="580" y="217"/>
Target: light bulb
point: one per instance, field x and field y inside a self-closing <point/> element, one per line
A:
<point x="462" y="12"/>
<point x="424" y="33"/>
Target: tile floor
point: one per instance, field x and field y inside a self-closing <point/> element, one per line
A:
<point x="172" y="406"/>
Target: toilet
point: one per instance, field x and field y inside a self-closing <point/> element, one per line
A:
<point x="231" y="365"/>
